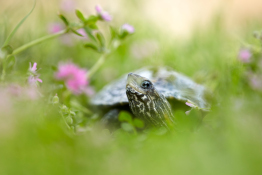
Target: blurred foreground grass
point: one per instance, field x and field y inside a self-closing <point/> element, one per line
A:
<point x="34" y="139"/>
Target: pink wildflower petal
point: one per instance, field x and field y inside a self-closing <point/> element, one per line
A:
<point x="55" y="27"/>
<point x="31" y="79"/>
<point x="189" y="104"/>
<point x="127" y="27"/>
<point x="74" y="77"/>
<point x="255" y="82"/>
<point x="39" y="80"/>
<point x="33" y="69"/>
<point x="67" y="5"/>
<point x="83" y="33"/>
<point x="244" y="55"/>
<point x="89" y="91"/>
<point x="15" y="89"/>
<point x="32" y="93"/>
<point x="98" y="9"/>
<point x="105" y="16"/>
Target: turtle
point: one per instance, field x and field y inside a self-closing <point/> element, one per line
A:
<point x="149" y="94"/>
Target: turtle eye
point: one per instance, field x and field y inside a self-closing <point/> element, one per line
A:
<point x="146" y="84"/>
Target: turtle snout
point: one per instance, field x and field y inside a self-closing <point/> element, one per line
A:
<point x="130" y="89"/>
<point x="130" y="74"/>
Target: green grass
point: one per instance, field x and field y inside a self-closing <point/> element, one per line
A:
<point x="35" y="140"/>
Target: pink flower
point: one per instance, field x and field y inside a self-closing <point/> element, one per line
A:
<point x="67" y="5"/>
<point x="55" y="27"/>
<point x="83" y="33"/>
<point x="32" y="69"/>
<point x="244" y="55"/>
<point x="14" y="89"/>
<point x="255" y="82"/>
<point x="89" y="91"/>
<point x="75" y="77"/>
<point x="127" y="27"/>
<point x="32" y="93"/>
<point x="103" y="14"/>
<point x="190" y="104"/>
<point x="33" y="79"/>
<point x="33" y="76"/>
<point x="98" y="9"/>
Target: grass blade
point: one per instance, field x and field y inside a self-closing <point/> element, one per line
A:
<point x="18" y="25"/>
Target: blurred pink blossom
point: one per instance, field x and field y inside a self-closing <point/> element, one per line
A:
<point x="103" y="14"/>
<point x="14" y="89"/>
<point x="55" y="27"/>
<point x="89" y="91"/>
<point x="33" y="77"/>
<point x="32" y="69"/>
<point x="67" y="5"/>
<point x="75" y="77"/>
<point x="244" y="55"/>
<point x="127" y="27"/>
<point x="83" y="33"/>
<point x="255" y="82"/>
<point x="189" y="104"/>
<point x="32" y="80"/>
<point x="32" y="93"/>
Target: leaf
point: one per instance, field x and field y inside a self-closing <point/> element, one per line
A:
<point x="69" y="120"/>
<point x="76" y="105"/>
<point x="10" y="63"/>
<point x="125" y="117"/>
<point x="93" y="26"/>
<point x="89" y="33"/>
<point x="101" y="39"/>
<point x="91" y="46"/>
<point x="127" y="127"/>
<point x="18" y="25"/>
<point x="72" y="113"/>
<point x="91" y="20"/>
<point x="138" y="123"/>
<point x="80" y="16"/>
<point x="63" y="19"/>
<point x="5" y="51"/>
<point x="113" y="32"/>
<point x="123" y="34"/>
<point x="75" y="32"/>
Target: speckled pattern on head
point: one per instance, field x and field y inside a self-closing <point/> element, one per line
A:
<point x="173" y="85"/>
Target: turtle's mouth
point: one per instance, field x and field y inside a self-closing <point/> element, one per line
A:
<point x="132" y="83"/>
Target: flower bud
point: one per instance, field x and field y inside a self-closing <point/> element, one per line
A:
<point x="55" y="99"/>
<point x="69" y="120"/>
<point x="64" y="109"/>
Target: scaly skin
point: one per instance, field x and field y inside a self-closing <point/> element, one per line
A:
<point x="147" y="103"/>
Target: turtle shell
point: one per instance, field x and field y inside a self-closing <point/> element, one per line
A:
<point x="173" y="85"/>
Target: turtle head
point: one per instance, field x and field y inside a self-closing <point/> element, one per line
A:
<point x="146" y="102"/>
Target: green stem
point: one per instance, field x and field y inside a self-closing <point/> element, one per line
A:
<point x="95" y="67"/>
<point x="35" y="42"/>
<point x="3" y="71"/>
<point x="101" y="60"/>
